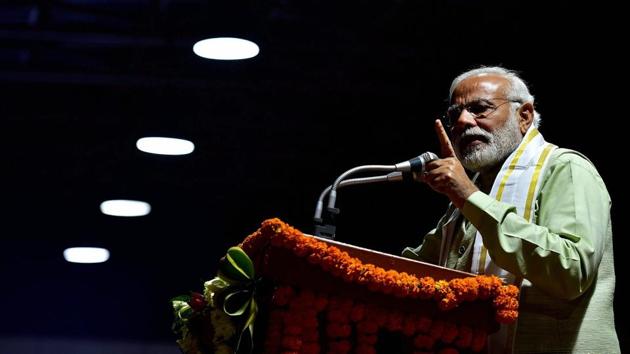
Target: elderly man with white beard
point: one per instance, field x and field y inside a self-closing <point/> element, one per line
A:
<point x="533" y="214"/>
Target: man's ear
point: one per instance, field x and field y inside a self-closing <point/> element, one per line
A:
<point x="525" y="116"/>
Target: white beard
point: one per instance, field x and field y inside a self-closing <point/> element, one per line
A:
<point x="501" y="142"/>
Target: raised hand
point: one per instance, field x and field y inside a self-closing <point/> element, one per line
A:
<point x="447" y="175"/>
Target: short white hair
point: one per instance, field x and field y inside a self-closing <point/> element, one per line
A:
<point x="517" y="89"/>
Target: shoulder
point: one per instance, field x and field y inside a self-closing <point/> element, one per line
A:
<point x="573" y="165"/>
<point x="563" y="158"/>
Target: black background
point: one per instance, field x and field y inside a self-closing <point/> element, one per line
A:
<point x="337" y="84"/>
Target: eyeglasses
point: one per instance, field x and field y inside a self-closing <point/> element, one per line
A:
<point x="479" y="108"/>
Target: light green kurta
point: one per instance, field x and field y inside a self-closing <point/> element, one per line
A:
<point x="566" y="254"/>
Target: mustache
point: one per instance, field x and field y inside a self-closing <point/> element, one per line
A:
<point x="474" y="132"/>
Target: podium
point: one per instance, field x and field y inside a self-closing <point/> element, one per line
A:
<point x="304" y="294"/>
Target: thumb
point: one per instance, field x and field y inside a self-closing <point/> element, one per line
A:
<point x="445" y="143"/>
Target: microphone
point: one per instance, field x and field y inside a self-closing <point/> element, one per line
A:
<point x="328" y="230"/>
<point x="405" y="168"/>
<point x="390" y="177"/>
<point x="416" y="164"/>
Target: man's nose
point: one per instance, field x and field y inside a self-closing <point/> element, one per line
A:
<point x="464" y="120"/>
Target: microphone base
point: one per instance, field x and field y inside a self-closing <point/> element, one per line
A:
<point x="325" y="231"/>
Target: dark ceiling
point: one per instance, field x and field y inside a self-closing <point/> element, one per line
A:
<point x="337" y="84"/>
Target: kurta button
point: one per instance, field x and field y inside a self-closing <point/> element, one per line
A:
<point x="462" y="249"/>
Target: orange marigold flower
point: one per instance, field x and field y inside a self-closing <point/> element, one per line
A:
<point x="506" y="316"/>
<point x="464" y="338"/>
<point x="365" y="274"/>
<point x="311" y="336"/>
<point x="365" y="349"/>
<point x="505" y="303"/>
<point x="339" y="303"/>
<point x="426" y="287"/>
<point x="254" y="242"/>
<point x="337" y="316"/>
<point x="394" y="321"/>
<point x="314" y="258"/>
<point x="409" y="325"/>
<point x="423" y="324"/>
<point x="277" y="241"/>
<point x="336" y="330"/>
<point x="282" y="295"/>
<point x="352" y="273"/>
<point x="378" y="315"/>
<point x="342" y="346"/>
<point x="448" y="351"/>
<point x="479" y="339"/>
<point x="367" y="339"/>
<point x="301" y="249"/>
<point x="293" y="330"/>
<point x="374" y="287"/>
<point x="508" y="290"/>
<point x="437" y="328"/>
<point x="309" y="319"/>
<point x="367" y="327"/>
<point x="291" y="318"/>
<point x="450" y="332"/>
<point x="310" y="348"/>
<point x="291" y="343"/>
<point x="466" y="289"/>
<point x="448" y="302"/>
<point x="320" y="302"/>
<point x="357" y="313"/>
<point x="488" y="286"/>
<point x="441" y="289"/>
<point x="327" y="263"/>
<point x="306" y="298"/>
<point x="423" y="341"/>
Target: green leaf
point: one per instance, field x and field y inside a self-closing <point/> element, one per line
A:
<point x="242" y="260"/>
<point x="229" y="273"/>
<point x="236" y="266"/>
<point x="215" y="285"/>
<point x="238" y="300"/>
<point x="184" y="298"/>
<point x="249" y="327"/>
<point x="183" y="312"/>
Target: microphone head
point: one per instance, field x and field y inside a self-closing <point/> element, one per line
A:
<point x="428" y="157"/>
<point x="418" y="163"/>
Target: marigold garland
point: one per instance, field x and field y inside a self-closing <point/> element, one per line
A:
<point x="448" y="294"/>
<point x="301" y="320"/>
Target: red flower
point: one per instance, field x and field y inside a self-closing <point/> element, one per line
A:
<point x="197" y="302"/>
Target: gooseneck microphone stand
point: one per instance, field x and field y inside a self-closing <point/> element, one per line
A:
<point x="417" y="164"/>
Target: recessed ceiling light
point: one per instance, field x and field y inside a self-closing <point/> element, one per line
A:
<point x="86" y="255"/>
<point x="226" y="48"/>
<point x="122" y="207"/>
<point x="165" y="146"/>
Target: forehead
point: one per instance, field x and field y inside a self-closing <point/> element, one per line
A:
<point x="480" y="86"/>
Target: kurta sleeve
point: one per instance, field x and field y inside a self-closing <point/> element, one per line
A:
<point x="561" y="251"/>
<point x="429" y="250"/>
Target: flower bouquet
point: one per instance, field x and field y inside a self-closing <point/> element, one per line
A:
<point x="306" y="295"/>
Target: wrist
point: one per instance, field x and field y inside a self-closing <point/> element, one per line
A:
<point x="460" y="198"/>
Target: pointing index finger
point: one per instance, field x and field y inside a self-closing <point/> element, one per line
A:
<point x="445" y="142"/>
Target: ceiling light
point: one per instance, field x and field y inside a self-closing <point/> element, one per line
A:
<point x="122" y="207"/>
<point x="226" y="48"/>
<point x="86" y="255"/>
<point x="165" y="146"/>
